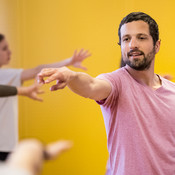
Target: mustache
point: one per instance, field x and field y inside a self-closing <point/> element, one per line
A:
<point x="135" y="50"/>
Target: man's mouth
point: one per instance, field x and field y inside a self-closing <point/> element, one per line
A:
<point x="135" y="53"/>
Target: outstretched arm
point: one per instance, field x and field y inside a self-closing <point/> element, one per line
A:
<point x="29" y="91"/>
<point x="76" y="61"/>
<point x="79" y="82"/>
<point x="30" y="154"/>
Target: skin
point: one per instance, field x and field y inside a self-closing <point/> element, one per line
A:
<point x="135" y="40"/>
<point x="80" y="83"/>
<point x="31" y="91"/>
<point x="5" y="53"/>
<point x="135" y="36"/>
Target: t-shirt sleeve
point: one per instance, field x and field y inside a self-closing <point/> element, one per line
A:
<point x="6" y="91"/>
<point x="10" y="77"/>
<point x="114" y="81"/>
<point x="6" y="170"/>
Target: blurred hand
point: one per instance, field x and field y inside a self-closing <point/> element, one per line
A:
<point x="53" y="150"/>
<point x="31" y="91"/>
<point x="78" y="57"/>
<point x="30" y="153"/>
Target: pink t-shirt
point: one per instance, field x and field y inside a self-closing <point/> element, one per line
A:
<point x="140" y="126"/>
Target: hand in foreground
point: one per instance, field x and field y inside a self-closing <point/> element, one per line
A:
<point x="53" y="150"/>
<point x="30" y="153"/>
<point x="78" y="57"/>
<point x="62" y="76"/>
<point x="31" y="91"/>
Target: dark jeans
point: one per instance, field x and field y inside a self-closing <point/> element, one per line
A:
<point x="4" y="155"/>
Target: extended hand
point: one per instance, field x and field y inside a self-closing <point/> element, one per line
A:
<point x="78" y="57"/>
<point x="61" y="75"/>
<point x="30" y="153"/>
<point x="31" y="91"/>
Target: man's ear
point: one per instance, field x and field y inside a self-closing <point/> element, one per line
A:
<point x="157" y="46"/>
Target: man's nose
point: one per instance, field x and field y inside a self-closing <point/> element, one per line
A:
<point x="133" y="43"/>
<point x="9" y="52"/>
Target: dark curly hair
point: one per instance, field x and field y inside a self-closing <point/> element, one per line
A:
<point x="136" y="16"/>
<point x="1" y="37"/>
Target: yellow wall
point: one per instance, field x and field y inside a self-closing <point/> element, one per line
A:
<point x="48" y="31"/>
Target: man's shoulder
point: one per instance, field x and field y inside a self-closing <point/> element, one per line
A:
<point x="167" y="82"/>
<point x="114" y="74"/>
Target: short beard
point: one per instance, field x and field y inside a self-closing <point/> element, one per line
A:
<point x="143" y="64"/>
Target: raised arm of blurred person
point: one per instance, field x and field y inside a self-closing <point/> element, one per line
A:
<point x="76" y="61"/>
<point x="31" y="91"/>
<point x="79" y="82"/>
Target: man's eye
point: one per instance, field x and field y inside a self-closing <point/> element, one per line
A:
<point x="142" y="38"/>
<point x="126" y="39"/>
<point x="4" y="48"/>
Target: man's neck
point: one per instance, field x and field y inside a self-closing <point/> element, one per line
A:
<point x="145" y="77"/>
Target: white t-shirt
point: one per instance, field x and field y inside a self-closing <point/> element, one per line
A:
<point x="6" y="170"/>
<point x="9" y="110"/>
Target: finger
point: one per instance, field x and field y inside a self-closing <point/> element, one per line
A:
<point x="40" y="92"/>
<point x="85" y="52"/>
<point x="75" y="53"/>
<point x="40" y="80"/>
<point x="80" y="52"/>
<point x="55" y="149"/>
<point x="38" y="98"/>
<point x="74" y="56"/>
<point x="78" y="65"/>
<point x="84" y="56"/>
<point x="58" y="86"/>
<point x="45" y="73"/>
<point x="87" y="55"/>
<point x="54" y="87"/>
<point x="62" y="85"/>
<point x="56" y="76"/>
<point x="81" y="67"/>
<point x="38" y="85"/>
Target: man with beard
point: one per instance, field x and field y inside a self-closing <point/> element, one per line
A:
<point x="138" y="105"/>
